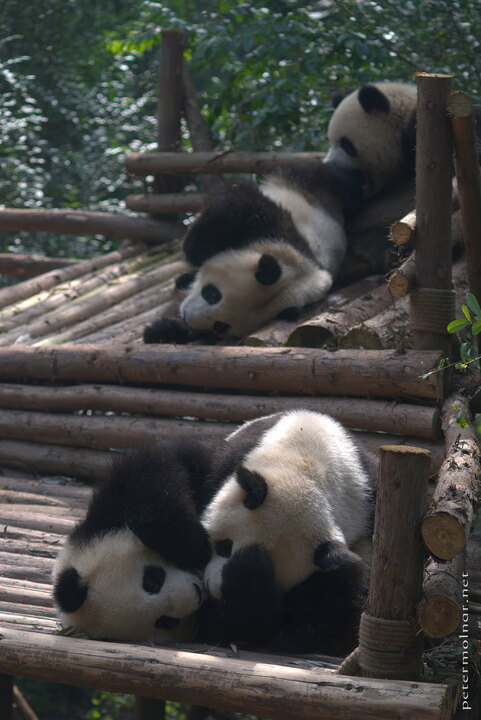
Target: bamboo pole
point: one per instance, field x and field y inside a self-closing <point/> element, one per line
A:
<point x="81" y="222"/>
<point x="468" y="177"/>
<point x="274" y="691"/>
<point x="372" y="415"/>
<point x="26" y="266"/>
<point x="381" y="373"/>
<point x="23" y="709"/>
<point x="440" y="610"/>
<point x="197" y="163"/>
<point x="447" y="523"/>
<point x="432" y="302"/>
<point x="397" y="566"/>
<point x="26" y="289"/>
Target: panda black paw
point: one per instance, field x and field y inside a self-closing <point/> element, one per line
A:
<point x="167" y="330"/>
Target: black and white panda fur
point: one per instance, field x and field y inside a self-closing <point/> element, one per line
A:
<point x="131" y="570"/>
<point x="261" y="252"/>
<point x="373" y="130"/>
<point x="290" y="501"/>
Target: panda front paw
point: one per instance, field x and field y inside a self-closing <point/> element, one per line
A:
<point x="167" y="330"/>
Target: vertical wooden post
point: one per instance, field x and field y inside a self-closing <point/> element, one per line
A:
<point x="170" y="101"/>
<point x="6" y="697"/>
<point x="469" y="184"/>
<point x="388" y="644"/>
<point x="149" y="708"/>
<point x="432" y="302"/>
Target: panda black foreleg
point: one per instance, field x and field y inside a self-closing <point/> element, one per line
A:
<point x="321" y="614"/>
<point x="248" y="610"/>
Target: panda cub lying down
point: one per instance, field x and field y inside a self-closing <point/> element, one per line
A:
<point x="262" y="252"/>
<point x="271" y="523"/>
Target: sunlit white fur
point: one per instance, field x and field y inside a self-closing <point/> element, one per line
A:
<point x="376" y="135"/>
<point x="317" y="491"/>
<point x="116" y="606"/>
<point x="247" y="304"/>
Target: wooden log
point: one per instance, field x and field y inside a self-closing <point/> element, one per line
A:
<point x="227" y="683"/>
<point x="374" y="415"/>
<point x="468" y="177"/>
<point x="278" y="332"/>
<point x="170" y="96"/>
<point x="197" y="163"/>
<point x="432" y="302"/>
<point x="35" y="574"/>
<point x="166" y="203"/>
<point x="93" y="304"/>
<point x="55" y="459"/>
<point x="331" y="325"/>
<point x="130" y="330"/>
<point x="447" y="523"/>
<point x="40" y="598"/>
<point x="48" y="301"/>
<point x="388" y="329"/>
<point x="26" y="289"/>
<point x="102" y="432"/>
<point x="402" y="231"/>
<point x="26" y="266"/>
<point x="402" y="279"/>
<point x="81" y="222"/>
<point x="149" y="709"/>
<point x="381" y="373"/>
<point x="397" y="562"/>
<point x="440" y="611"/>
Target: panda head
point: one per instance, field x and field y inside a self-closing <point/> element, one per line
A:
<point x="114" y="587"/>
<point x="300" y="494"/>
<point x="239" y="290"/>
<point x="373" y="130"/>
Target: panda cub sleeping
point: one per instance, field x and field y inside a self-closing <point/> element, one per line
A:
<point x="131" y="570"/>
<point x="261" y="252"/>
<point x="290" y="501"/>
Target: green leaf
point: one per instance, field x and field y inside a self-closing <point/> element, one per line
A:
<point x="473" y="304"/>
<point x="476" y="329"/>
<point x="457" y="325"/>
<point x="466" y="314"/>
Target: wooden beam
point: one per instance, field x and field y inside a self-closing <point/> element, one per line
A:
<point x="80" y="222"/>
<point x="266" y="690"/>
<point x="432" y="302"/>
<point x="196" y="163"/>
<point x="379" y="373"/>
<point x="31" y="265"/>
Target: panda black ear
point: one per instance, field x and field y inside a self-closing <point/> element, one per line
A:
<point x="332" y="555"/>
<point x="254" y="485"/>
<point x="269" y="270"/>
<point x="371" y="98"/>
<point x="337" y="98"/>
<point x="69" y="591"/>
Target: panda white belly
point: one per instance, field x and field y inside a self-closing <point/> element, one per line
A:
<point x="323" y="232"/>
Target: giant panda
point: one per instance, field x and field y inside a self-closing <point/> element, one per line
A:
<point x="373" y="130"/>
<point x="131" y="569"/>
<point x="290" y="501"/>
<point x="261" y="252"/>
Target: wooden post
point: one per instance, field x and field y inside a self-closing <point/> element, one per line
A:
<point x="469" y="183"/>
<point x="170" y="101"/>
<point x="432" y="302"/>
<point x="389" y="645"/>
<point x="6" y="697"/>
<point x="149" y="708"/>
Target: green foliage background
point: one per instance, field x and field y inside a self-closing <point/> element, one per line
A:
<point x="78" y="83"/>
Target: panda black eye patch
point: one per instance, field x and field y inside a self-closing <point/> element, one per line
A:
<point x="154" y="578"/>
<point x="211" y="294"/>
<point x="348" y="147"/>
<point x="223" y="548"/>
